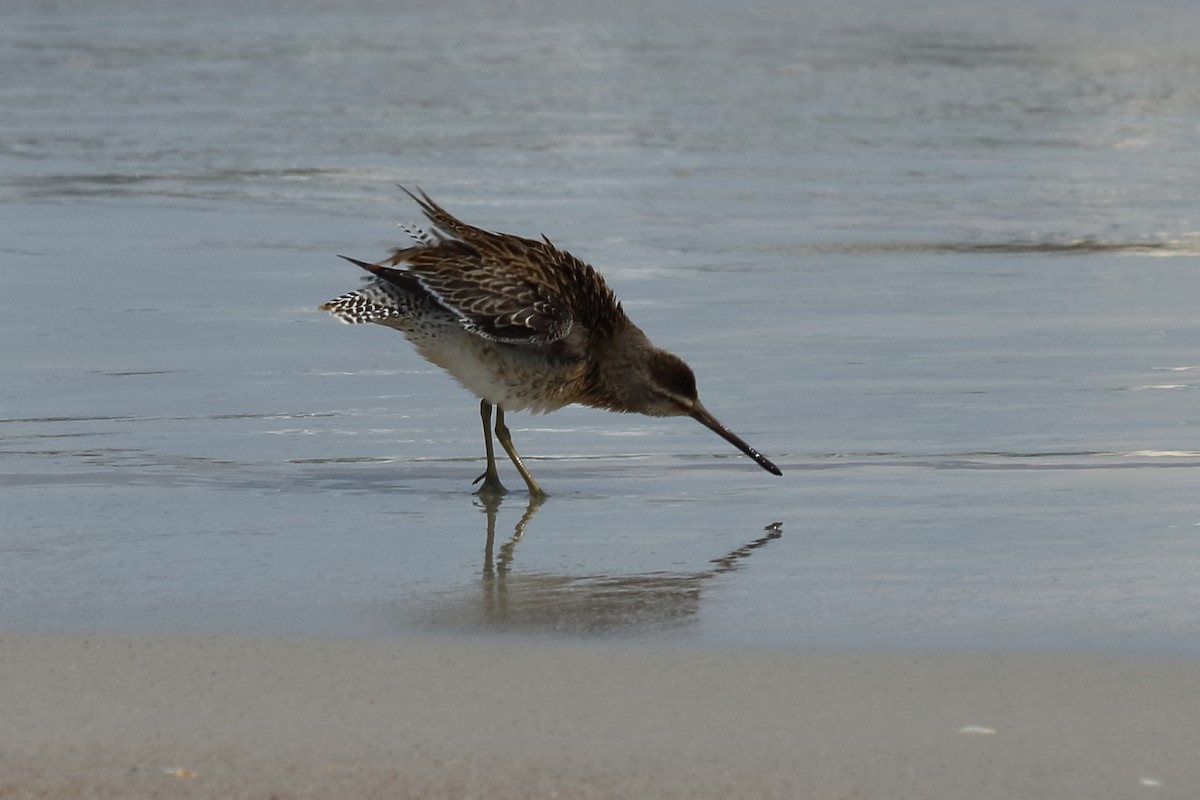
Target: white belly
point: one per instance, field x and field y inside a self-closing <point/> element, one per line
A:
<point x="511" y="377"/>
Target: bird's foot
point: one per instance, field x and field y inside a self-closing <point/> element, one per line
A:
<point x="492" y="487"/>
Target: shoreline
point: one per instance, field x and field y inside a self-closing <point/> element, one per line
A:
<point x="189" y="715"/>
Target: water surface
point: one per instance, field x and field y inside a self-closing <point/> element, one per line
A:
<point x="938" y="262"/>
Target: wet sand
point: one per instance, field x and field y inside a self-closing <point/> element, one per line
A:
<point x="139" y="716"/>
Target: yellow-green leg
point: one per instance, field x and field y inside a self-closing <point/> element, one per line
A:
<point x="505" y="438"/>
<point x="490" y="477"/>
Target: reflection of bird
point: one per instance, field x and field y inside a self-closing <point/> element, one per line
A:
<point x="553" y="602"/>
<point x="522" y="325"/>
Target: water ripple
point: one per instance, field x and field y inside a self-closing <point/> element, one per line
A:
<point x="1187" y="244"/>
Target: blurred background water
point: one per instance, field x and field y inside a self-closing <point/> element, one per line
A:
<point x="936" y="259"/>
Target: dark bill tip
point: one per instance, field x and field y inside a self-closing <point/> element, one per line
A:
<point x="701" y="415"/>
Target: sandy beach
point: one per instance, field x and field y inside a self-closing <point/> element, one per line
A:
<point x="140" y="716"/>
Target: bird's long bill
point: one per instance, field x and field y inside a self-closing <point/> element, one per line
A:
<point x="701" y="415"/>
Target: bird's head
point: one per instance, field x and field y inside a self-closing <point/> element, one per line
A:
<point x="668" y="389"/>
<point x="668" y="386"/>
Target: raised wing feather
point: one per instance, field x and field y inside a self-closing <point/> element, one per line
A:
<point x="502" y="287"/>
<point x="496" y="304"/>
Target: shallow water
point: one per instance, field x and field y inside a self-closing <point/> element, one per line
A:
<point x="939" y="264"/>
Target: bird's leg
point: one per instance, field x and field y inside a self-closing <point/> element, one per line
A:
<point x="505" y="438"/>
<point x="491" y="478"/>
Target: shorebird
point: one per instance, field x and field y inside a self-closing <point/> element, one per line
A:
<point x="523" y="325"/>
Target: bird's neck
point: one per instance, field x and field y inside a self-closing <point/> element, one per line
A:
<point x="616" y="379"/>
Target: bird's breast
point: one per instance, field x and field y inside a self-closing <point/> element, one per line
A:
<point x="516" y="378"/>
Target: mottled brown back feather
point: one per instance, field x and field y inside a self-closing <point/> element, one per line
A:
<point x="508" y="288"/>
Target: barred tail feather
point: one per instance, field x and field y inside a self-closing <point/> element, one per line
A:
<point x="370" y="304"/>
